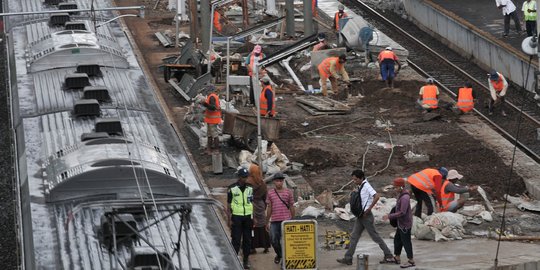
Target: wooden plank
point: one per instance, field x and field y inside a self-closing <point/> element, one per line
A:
<point x="179" y="90"/>
<point x="312" y="111"/>
<point x="322" y="104"/>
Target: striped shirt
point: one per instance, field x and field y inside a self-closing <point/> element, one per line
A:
<point x="280" y="211"/>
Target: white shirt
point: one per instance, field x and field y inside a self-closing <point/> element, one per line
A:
<point x="366" y="194"/>
<point x="492" y="90"/>
<point x="509" y="6"/>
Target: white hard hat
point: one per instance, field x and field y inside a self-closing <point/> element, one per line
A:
<point x="430" y="80"/>
<point x="388" y="48"/>
<point x="341" y="7"/>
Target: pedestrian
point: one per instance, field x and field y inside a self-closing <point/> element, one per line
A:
<point x="403" y="216"/>
<point x="509" y="11"/>
<point x="322" y="45"/>
<point x="240" y="213"/>
<point x="387" y="61"/>
<point x="250" y="60"/>
<point x="267" y="99"/>
<point x="497" y="89"/>
<point x="212" y="118"/>
<point x="449" y="189"/>
<point x="368" y="199"/>
<point x="333" y="69"/>
<point x="424" y="185"/>
<point x="466" y="97"/>
<point x="428" y="97"/>
<point x="261" y="238"/>
<point x="280" y="207"/>
<point x="529" y="16"/>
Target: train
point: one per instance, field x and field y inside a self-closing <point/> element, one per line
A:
<point x="104" y="181"/>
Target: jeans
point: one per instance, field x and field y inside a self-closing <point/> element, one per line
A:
<point x="361" y="223"/>
<point x="403" y="240"/>
<point x="241" y="233"/>
<point x="422" y="196"/>
<point x="514" y="17"/>
<point x="387" y="70"/>
<point x="275" y="235"/>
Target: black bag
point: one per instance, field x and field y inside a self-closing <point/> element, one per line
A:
<point x="356" y="202"/>
<point x="393" y="222"/>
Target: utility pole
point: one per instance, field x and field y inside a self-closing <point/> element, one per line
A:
<point x="289" y="10"/>
<point x="308" y="18"/>
<point x="205" y="25"/>
<point x="193" y="21"/>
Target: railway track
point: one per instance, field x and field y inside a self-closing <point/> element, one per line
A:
<point x="432" y="58"/>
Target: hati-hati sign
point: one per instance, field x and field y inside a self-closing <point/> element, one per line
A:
<point x="299" y="244"/>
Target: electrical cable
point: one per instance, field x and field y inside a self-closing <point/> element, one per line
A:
<point x="508" y="181"/>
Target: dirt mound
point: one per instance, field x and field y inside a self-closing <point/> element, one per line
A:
<point x="318" y="159"/>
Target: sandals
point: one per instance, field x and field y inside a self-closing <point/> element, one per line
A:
<point x="408" y="264"/>
<point x="389" y="260"/>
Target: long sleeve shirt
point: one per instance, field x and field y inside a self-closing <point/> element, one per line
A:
<point x="492" y="90"/>
<point x="270" y="99"/>
<point x="453" y="188"/>
<point x="403" y="212"/>
<point x="507" y="6"/>
<point x="334" y="71"/>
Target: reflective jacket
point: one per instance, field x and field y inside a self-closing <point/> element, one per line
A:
<point x="336" y="19"/>
<point x="429" y="96"/>
<point x="446" y="198"/>
<point x="465" y="99"/>
<point x="242" y="202"/>
<point x="386" y="54"/>
<point x="263" y="104"/>
<point x="212" y="117"/>
<point x="330" y="67"/>
<point x="424" y="180"/>
<point x="499" y="84"/>
<point x="217" y="23"/>
<point x="252" y="61"/>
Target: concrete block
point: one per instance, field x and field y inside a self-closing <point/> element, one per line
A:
<point x="217" y="163"/>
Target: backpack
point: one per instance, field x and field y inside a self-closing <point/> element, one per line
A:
<point x="393" y="222"/>
<point x="356" y="202"/>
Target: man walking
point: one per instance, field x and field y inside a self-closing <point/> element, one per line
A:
<point x="509" y="11"/>
<point x="280" y="207"/>
<point x="240" y="214"/>
<point x="368" y="199"/>
<point x="529" y="15"/>
<point x="497" y="89"/>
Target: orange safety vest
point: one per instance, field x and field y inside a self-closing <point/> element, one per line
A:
<point x="213" y="117"/>
<point x="217" y="24"/>
<point x="446" y="198"/>
<point x="314" y="8"/>
<point x="465" y="99"/>
<point x="252" y="61"/>
<point x="498" y="85"/>
<point x="324" y="67"/>
<point x="424" y="180"/>
<point x="429" y="97"/>
<point x="336" y="19"/>
<point x="263" y="102"/>
<point x="386" y="54"/>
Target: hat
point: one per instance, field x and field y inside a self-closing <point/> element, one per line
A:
<point x="265" y="80"/>
<point x="321" y="36"/>
<point x="494" y="75"/>
<point x="453" y="174"/>
<point x="430" y="80"/>
<point x="388" y="48"/>
<point x="341" y="7"/>
<point x="343" y="57"/>
<point x="443" y="171"/>
<point x="243" y="172"/>
<point x="257" y="49"/>
<point x="399" y="182"/>
<point x="278" y="176"/>
<point x="468" y="84"/>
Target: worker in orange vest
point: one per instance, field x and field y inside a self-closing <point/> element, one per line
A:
<point x="449" y="189"/>
<point x="424" y="185"/>
<point x="465" y="102"/>
<point x="387" y="61"/>
<point x="212" y="118"/>
<point x="331" y="68"/>
<point x="340" y="14"/>
<point x="218" y="21"/>
<point x="267" y="100"/>
<point x="428" y="96"/>
<point x="322" y="45"/>
<point x="497" y="89"/>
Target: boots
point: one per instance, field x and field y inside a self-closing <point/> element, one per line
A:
<point x="391" y="83"/>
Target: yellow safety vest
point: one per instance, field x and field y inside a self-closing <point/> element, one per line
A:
<point x="241" y="204"/>
<point x="529" y="16"/>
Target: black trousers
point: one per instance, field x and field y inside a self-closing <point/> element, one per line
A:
<point x="530" y="26"/>
<point x="403" y="240"/>
<point x="514" y="17"/>
<point x="241" y="234"/>
<point x="422" y="196"/>
<point x="492" y="104"/>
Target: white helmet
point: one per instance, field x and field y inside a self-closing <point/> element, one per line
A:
<point x="341" y="7"/>
<point x="430" y="80"/>
<point x="388" y="48"/>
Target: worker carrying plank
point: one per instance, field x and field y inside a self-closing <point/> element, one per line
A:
<point x="333" y="69"/>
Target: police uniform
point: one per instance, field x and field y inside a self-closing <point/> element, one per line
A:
<point x="240" y="199"/>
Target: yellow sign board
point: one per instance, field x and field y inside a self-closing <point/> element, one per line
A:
<point x="299" y="244"/>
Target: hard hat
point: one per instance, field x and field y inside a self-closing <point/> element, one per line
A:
<point x="321" y="36"/>
<point x="265" y="80"/>
<point x="341" y="7"/>
<point x="430" y="80"/>
<point x="243" y="172"/>
<point x="257" y="49"/>
<point x="343" y="57"/>
<point x="388" y="48"/>
<point x="443" y="171"/>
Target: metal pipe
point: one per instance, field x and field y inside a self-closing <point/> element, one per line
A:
<point x="228" y="72"/>
<point x="141" y="8"/>
<point x="116" y="18"/>
<point x="285" y="64"/>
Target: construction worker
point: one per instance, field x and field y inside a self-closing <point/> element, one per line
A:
<point x="365" y="36"/>
<point x="465" y="102"/>
<point x="267" y="100"/>
<point x="424" y="185"/>
<point x="497" y="89"/>
<point x="257" y="52"/>
<point x="322" y="45"/>
<point x="428" y="96"/>
<point x="338" y="16"/>
<point x="449" y="189"/>
<point x="212" y="118"/>
<point x="240" y="214"/>
<point x="218" y="21"/>
<point x="387" y="60"/>
<point x="329" y="69"/>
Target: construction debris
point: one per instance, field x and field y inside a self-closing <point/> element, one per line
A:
<point x="322" y="106"/>
<point x="522" y="204"/>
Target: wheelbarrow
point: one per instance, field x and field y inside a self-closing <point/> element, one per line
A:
<point x="244" y="127"/>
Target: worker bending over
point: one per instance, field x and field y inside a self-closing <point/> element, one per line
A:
<point x="322" y="45"/>
<point x="424" y="185"/>
<point x="428" y="96"/>
<point x="449" y="189"/>
<point x="212" y="118"/>
<point x="387" y="60"/>
<point x="333" y="68"/>
<point x="497" y="89"/>
<point x="267" y="100"/>
<point x="465" y="102"/>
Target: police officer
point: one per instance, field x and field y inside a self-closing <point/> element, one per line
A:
<point x="240" y="214"/>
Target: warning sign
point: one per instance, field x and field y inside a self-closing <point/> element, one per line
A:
<point x="299" y="244"/>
